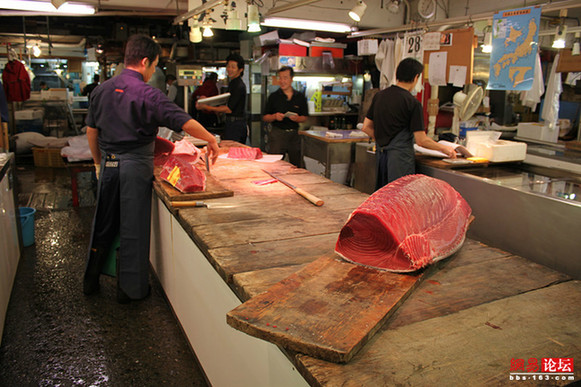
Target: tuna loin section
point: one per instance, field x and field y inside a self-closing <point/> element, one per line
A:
<point x="181" y="172"/>
<point x="404" y="226"/>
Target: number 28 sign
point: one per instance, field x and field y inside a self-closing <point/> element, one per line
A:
<point x="413" y="47"/>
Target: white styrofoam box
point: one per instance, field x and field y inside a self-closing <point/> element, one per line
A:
<point x="537" y="131"/>
<point x="501" y="150"/>
<point x="29" y="114"/>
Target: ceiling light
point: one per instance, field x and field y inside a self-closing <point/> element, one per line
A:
<point x="576" y="50"/>
<point x="36" y="51"/>
<point x="253" y="18"/>
<point x="357" y="12"/>
<point x="42" y="7"/>
<point x="233" y="21"/>
<point x="315" y="25"/>
<point x="195" y="32"/>
<point x="393" y="6"/>
<point x="560" y="35"/>
<point x="487" y="45"/>
<point x="207" y="32"/>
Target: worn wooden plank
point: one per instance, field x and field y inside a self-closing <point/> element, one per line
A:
<point x="264" y="255"/>
<point x="251" y="284"/>
<point x="473" y="347"/>
<point x="278" y="204"/>
<point x="331" y="308"/>
<point x="266" y="229"/>
<point x="458" y="287"/>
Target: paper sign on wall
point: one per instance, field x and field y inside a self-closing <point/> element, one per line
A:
<point x="437" y="70"/>
<point x="457" y="75"/>
<point x="432" y="41"/>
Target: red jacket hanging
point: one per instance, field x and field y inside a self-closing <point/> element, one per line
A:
<point x="16" y="81"/>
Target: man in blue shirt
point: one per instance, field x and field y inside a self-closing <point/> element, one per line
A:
<point x="122" y="123"/>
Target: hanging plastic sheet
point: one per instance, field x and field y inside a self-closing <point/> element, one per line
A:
<point x="550" y="111"/>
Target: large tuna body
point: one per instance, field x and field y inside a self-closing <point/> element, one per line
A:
<point x="406" y="225"/>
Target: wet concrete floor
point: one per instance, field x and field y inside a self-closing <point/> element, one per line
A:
<point x="54" y="335"/>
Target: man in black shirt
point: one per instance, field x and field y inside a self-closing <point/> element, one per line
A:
<point x="285" y="109"/>
<point x="91" y="86"/>
<point x="235" y="128"/>
<point x="395" y="119"/>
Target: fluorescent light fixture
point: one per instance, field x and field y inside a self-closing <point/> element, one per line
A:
<point x="43" y="7"/>
<point x="357" y="12"/>
<point x="560" y="35"/>
<point x="487" y="45"/>
<point x="302" y="24"/>
<point x="253" y="18"/>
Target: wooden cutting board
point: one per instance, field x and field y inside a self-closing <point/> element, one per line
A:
<point x="214" y="189"/>
<point x="329" y="309"/>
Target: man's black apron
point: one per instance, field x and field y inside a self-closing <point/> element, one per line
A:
<point x="395" y="159"/>
<point x="124" y="208"/>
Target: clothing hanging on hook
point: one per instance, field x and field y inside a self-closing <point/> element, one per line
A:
<point x="16" y="79"/>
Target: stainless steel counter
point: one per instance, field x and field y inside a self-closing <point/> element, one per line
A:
<point x="527" y="210"/>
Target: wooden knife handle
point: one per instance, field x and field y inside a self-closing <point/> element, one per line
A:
<point x="311" y="198"/>
<point x="189" y="203"/>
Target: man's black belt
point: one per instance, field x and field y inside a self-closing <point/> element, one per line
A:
<point x="229" y="118"/>
<point x="286" y="130"/>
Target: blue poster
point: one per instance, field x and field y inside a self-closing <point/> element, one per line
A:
<point x="515" y="38"/>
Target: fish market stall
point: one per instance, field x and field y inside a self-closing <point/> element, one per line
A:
<point x="212" y="257"/>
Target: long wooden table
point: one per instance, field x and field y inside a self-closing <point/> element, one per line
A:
<point x="468" y="323"/>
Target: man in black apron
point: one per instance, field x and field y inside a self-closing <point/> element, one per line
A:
<point x="122" y="124"/>
<point x="235" y="127"/>
<point x="394" y="120"/>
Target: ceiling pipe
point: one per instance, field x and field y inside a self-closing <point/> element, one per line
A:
<point x="548" y="7"/>
<point x="286" y="7"/>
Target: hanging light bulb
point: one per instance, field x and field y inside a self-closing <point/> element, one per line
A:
<point x="487" y="45"/>
<point x="195" y="32"/>
<point x="36" y="51"/>
<point x="560" y="35"/>
<point x="233" y="21"/>
<point x="207" y="31"/>
<point x="253" y="18"/>
<point x="357" y="12"/>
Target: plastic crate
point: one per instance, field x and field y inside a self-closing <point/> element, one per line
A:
<point x="48" y="157"/>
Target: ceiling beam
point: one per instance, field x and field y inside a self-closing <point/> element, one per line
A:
<point x="549" y="7"/>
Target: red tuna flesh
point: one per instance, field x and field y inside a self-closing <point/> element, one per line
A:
<point x="183" y="174"/>
<point x="162" y="150"/>
<point x="404" y="226"/>
<point x="240" y="153"/>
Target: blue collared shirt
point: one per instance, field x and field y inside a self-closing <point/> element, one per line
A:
<point x="127" y="112"/>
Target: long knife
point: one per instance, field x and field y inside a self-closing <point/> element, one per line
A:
<point x="311" y="198"/>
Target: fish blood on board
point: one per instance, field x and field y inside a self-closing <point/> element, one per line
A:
<point x="406" y="225"/>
